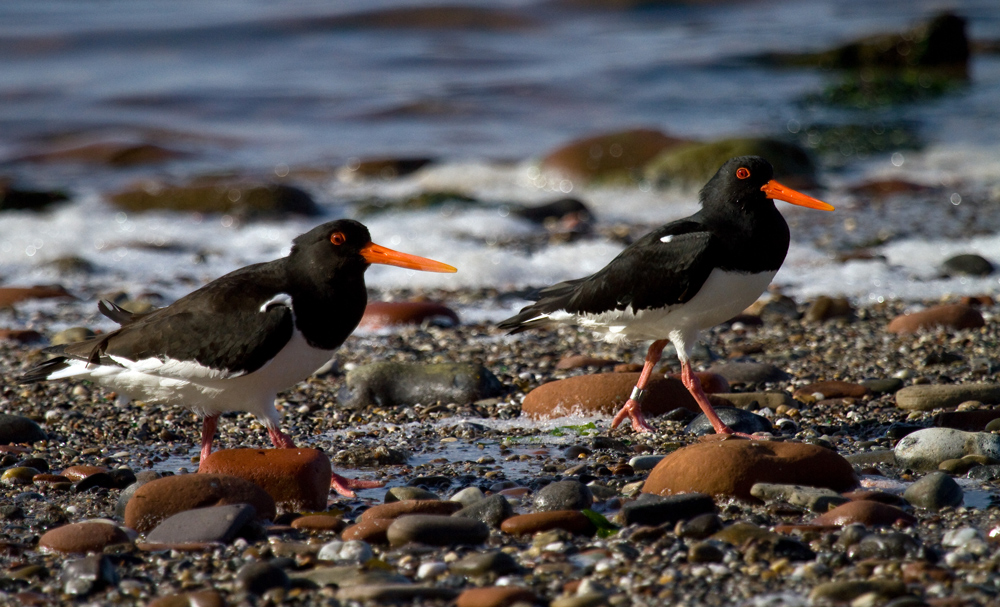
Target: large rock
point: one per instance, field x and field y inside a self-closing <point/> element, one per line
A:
<point x="16" y="429"/>
<point x="692" y="165"/>
<point x="297" y="479"/>
<point x="604" y="393"/>
<point x="202" y="525"/>
<point x="111" y="153"/>
<point x="90" y="536"/>
<point x="868" y="513"/>
<point x="731" y="467"/>
<point x="436" y="530"/>
<point x="156" y="500"/>
<point x="618" y="156"/>
<point x="926" y="449"/>
<point x="393" y="384"/>
<point x="209" y="195"/>
<point x="927" y="397"/>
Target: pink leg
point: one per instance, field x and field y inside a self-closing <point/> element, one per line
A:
<point x="693" y="385"/>
<point x="632" y="407"/>
<point x="340" y="484"/>
<point x="208" y="426"/>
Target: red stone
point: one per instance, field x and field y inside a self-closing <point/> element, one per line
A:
<point x="951" y="316"/>
<point x="158" y="499"/>
<point x="388" y="313"/>
<point x="319" y="522"/>
<point x="297" y="479"/>
<point x="868" y="513"/>
<point x="12" y="295"/>
<point x="397" y="509"/>
<point x="604" y="393"/>
<point x="495" y="596"/>
<point x="76" y="473"/>
<point x="573" y="521"/>
<point x="833" y="389"/>
<point x="91" y="536"/>
<point x="726" y="466"/>
<point x="372" y="531"/>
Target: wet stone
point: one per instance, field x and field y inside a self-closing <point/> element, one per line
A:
<point x="649" y="509"/>
<point x="259" y="577"/>
<point x="564" y="495"/>
<point x="951" y="316"/>
<point x="483" y="563"/>
<point x="81" y="577"/>
<point x="493" y="511"/>
<point x="869" y="513"/>
<point x="572" y="521"/>
<point x="16" y="429"/>
<point x="372" y="531"/>
<point x="985" y="473"/>
<point x="436" y="530"/>
<point x="967" y="264"/>
<point x="392" y="384"/>
<point x="217" y="524"/>
<point x="935" y="491"/>
<point x="319" y="522"/>
<point x="396" y="509"/>
<point x="101" y="480"/>
<point x="156" y="500"/>
<point x="816" y="499"/>
<point x="739" y="420"/>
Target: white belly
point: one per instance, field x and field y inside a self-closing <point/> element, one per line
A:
<point x="723" y="296"/>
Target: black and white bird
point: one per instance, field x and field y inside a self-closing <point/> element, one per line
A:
<point x="237" y="342"/>
<point x="685" y="276"/>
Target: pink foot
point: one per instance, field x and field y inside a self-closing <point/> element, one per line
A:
<point x="632" y="410"/>
<point x="344" y="486"/>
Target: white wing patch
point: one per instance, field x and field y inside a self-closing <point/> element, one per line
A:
<point x="281" y="299"/>
<point x="175" y="369"/>
<point x="667" y="238"/>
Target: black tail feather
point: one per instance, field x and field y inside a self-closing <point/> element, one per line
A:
<point x="43" y="371"/>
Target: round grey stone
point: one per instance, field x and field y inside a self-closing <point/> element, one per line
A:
<point x="493" y="510"/>
<point x="926" y="449"/>
<point x="935" y="491"/>
<point x="564" y="495"/>
<point x="436" y="530"/>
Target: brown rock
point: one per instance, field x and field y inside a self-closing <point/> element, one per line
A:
<point x="977" y="300"/>
<point x="158" y="499"/>
<point x="868" y="513"/>
<point x="604" y="393"/>
<point x="76" y="473"/>
<point x="201" y="598"/>
<point x="495" y="596"/>
<point x="730" y="467"/>
<point x="388" y="313"/>
<point x="319" y="522"/>
<point x="111" y="153"/>
<point x="970" y="421"/>
<point x="826" y="308"/>
<point x="372" y="531"/>
<point x="573" y="521"/>
<point x="214" y="195"/>
<point x="297" y="479"/>
<point x="579" y="361"/>
<point x="883" y="188"/>
<point x="951" y="316"/>
<point x="611" y="156"/>
<point x="833" y="389"/>
<point x="382" y="168"/>
<point x="40" y="479"/>
<point x="12" y="295"/>
<point x="90" y="536"/>
<point x="397" y="509"/>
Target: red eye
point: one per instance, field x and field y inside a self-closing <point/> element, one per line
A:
<point x="742" y="173"/>
<point x="338" y="238"/>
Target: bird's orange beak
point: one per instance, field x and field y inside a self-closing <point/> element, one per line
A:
<point x="773" y="189"/>
<point x="374" y="253"/>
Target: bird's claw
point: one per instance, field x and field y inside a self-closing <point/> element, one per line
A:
<point x="344" y="486"/>
<point x="633" y="410"/>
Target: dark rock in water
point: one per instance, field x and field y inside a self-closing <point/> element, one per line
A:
<point x="985" y="473"/>
<point x="392" y="384"/>
<point x="839" y="143"/>
<point x="16" y="429"/>
<point x="694" y="164"/>
<point x="739" y="420"/>
<point x="564" y="495"/>
<point x="934" y="491"/>
<point x="81" y="577"/>
<point x="493" y="510"/>
<point x="940" y="42"/>
<point x="244" y="198"/>
<point x="71" y="264"/>
<point x="609" y="157"/>
<point x="650" y="509"/>
<point x="748" y="372"/>
<point x="261" y="576"/>
<point x="15" y="199"/>
<point x="424" y="200"/>
<point x="383" y="168"/>
<point x="214" y="524"/>
<point x="968" y="264"/>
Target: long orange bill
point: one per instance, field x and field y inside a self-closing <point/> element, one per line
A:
<point x="775" y="190"/>
<point x="374" y="253"/>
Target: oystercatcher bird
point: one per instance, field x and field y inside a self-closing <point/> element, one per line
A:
<point x="687" y="275"/>
<point x="233" y="344"/>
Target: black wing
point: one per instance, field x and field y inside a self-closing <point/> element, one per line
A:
<point x="224" y="327"/>
<point x="666" y="267"/>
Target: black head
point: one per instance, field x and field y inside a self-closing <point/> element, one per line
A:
<point x="747" y="182"/>
<point x="346" y="243"/>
